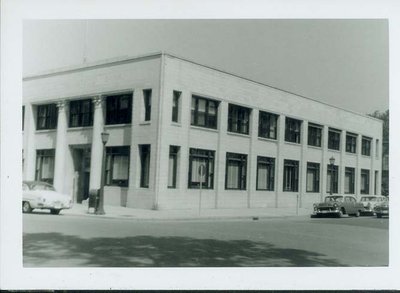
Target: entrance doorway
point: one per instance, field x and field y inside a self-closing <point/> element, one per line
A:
<point x="81" y="156"/>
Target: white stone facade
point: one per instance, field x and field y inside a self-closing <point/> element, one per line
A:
<point x="164" y="74"/>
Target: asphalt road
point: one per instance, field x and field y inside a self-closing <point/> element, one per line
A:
<point x="78" y="241"/>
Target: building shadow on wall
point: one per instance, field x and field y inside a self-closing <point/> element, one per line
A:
<point x="58" y="250"/>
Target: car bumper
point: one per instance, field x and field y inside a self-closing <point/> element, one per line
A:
<point x="54" y="205"/>
<point x="320" y="212"/>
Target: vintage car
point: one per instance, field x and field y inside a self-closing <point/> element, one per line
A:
<point x="41" y="195"/>
<point x="370" y="201"/>
<point x="338" y="205"/>
<point x="382" y="209"/>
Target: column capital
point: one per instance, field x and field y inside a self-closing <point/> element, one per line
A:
<point x="61" y="105"/>
<point x="97" y="101"/>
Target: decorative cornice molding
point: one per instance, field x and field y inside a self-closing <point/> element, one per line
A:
<point x="97" y="101"/>
<point x="61" y="105"/>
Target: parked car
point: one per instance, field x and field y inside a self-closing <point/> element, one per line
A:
<point x="338" y="205"/>
<point x="370" y="201"/>
<point x="41" y="195"/>
<point x="382" y="209"/>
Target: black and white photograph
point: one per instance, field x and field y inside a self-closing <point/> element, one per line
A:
<point x="217" y="151"/>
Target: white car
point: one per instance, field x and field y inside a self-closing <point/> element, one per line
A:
<point x="370" y="201"/>
<point x="41" y="195"/>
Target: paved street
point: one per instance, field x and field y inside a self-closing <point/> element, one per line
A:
<point x="70" y="241"/>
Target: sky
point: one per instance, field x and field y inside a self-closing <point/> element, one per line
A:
<point x="344" y="63"/>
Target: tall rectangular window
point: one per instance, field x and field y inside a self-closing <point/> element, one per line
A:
<point x="238" y="119"/>
<point x="314" y="135"/>
<point x="265" y="173"/>
<point x="45" y="165"/>
<point x="23" y="117"/>
<point x="334" y="139"/>
<point x="351" y="143"/>
<point x="332" y="179"/>
<point x="81" y="113"/>
<point x="292" y="130"/>
<point x="119" y="109"/>
<point x="175" y="105"/>
<point x="197" y="158"/>
<point x="366" y="146"/>
<point x="364" y="181"/>
<point x="144" y="152"/>
<point x="312" y="177"/>
<point x="267" y="125"/>
<point x="204" y="112"/>
<point x="349" y="180"/>
<point x="377" y="148"/>
<point x="291" y="175"/>
<point x="173" y="165"/>
<point x="117" y="166"/>
<point x="147" y="104"/>
<point x="47" y="117"/>
<point x="376" y="183"/>
<point x="236" y="170"/>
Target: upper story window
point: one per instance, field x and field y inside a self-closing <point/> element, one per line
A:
<point x="147" y="104"/>
<point x="351" y="143"/>
<point x="119" y="109"/>
<point x="176" y="101"/>
<point x="204" y="112"/>
<point x="334" y="139"/>
<point x="292" y="130"/>
<point x="80" y="113"/>
<point x="314" y="135"/>
<point x="238" y="119"/>
<point x="46" y="116"/>
<point x="267" y="125"/>
<point x="366" y="146"/>
<point x="117" y="165"/>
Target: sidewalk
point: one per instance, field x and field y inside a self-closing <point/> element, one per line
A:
<point x="187" y="214"/>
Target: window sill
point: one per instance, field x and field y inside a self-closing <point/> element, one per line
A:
<point x="314" y="147"/>
<point x="116" y="186"/>
<point x="238" y="134"/>
<point x="267" y="139"/>
<point x="145" y="123"/>
<point x="45" y="130"/>
<point x="365" y="156"/>
<point x="176" y="124"/>
<point x="292" y="143"/>
<point x="204" y="128"/>
<point x="351" y="154"/>
<point x="334" y="151"/>
<point x="79" y="128"/>
<point x="117" y="125"/>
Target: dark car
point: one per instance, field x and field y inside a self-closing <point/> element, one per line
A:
<point x="382" y="210"/>
<point x="338" y="205"/>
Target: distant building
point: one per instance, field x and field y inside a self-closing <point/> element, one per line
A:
<point x="260" y="146"/>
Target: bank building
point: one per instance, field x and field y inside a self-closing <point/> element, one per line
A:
<point x="258" y="146"/>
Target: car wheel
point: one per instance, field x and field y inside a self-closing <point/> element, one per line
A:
<point x="357" y="214"/>
<point x="26" y="207"/>
<point x="55" y="211"/>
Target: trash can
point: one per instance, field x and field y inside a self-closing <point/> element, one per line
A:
<point x="93" y="198"/>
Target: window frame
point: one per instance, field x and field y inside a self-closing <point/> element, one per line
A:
<point x="242" y="174"/>
<point x="351" y="143"/>
<point x="147" y="101"/>
<point x="50" y="116"/>
<point x="311" y="137"/>
<point x="174" y="153"/>
<point x="290" y="166"/>
<point x="40" y="155"/>
<point x="270" y="179"/>
<point x="335" y="177"/>
<point x="334" y="137"/>
<point x="293" y="130"/>
<point x="111" y="152"/>
<point x="209" y="157"/>
<point x="365" y="172"/>
<point x="195" y="113"/>
<point x="80" y="113"/>
<point x="366" y="146"/>
<point x="237" y="116"/>
<point x="176" y="101"/>
<point x="118" y="115"/>
<point x="315" y="167"/>
<point x="266" y="121"/>
<point x="352" y="172"/>
<point x="145" y="160"/>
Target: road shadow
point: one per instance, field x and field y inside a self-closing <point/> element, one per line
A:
<point x="55" y="250"/>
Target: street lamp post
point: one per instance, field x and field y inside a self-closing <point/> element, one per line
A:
<point x="332" y="162"/>
<point x="100" y="205"/>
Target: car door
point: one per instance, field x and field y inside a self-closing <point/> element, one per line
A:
<point x="350" y="204"/>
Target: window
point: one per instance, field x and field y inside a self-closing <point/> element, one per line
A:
<point x="330" y="177"/>
<point x="349" y="180"/>
<point x="80" y="113"/>
<point x="236" y="170"/>
<point x="45" y="165"/>
<point x="334" y="139"/>
<point x="364" y="181"/>
<point x="117" y="165"/>
<point x="173" y="165"/>
<point x="312" y="177"/>
<point x="377" y="148"/>
<point x="376" y="183"/>
<point x="292" y="130"/>
<point x="147" y="104"/>
<point x="119" y="109"/>
<point x="175" y="106"/>
<point x="23" y="117"/>
<point x="204" y="112"/>
<point x="238" y="119"/>
<point x="198" y="157"/>
<point x="46" y="116"/>
<point x="144" y="151"/>
<point x="265" y="173"/>
<point x="314" y="135"/>
<point x="366" y="146"/>
<point x="267" y="125"/>
<point x="291" y="175"/>
<point x="351" y="143"/>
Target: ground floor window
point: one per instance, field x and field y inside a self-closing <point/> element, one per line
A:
<point x="117" y="165"/>
<point x="45" y="165"/>
<point x="364" y="181"/>
<point x="197" y="158"/>
<point x="173" y="165"/>
<point x="332" y="179"/>
<point x="265" y="173"/>
<point x="144" y="151"/>
<point x="291" y="175"/>
<point x="312" y="177"/>
<point x="349" y="180"/>
<point x="236" y="168"/>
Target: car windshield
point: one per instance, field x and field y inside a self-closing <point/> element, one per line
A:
<point x="334" y="198"/>
<point x="368" y="198"/>
<point x="42" y="186"/>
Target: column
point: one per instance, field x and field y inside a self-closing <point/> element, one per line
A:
<point x="97" y="144"/>
<point x="325" y="161"/>
<point x="61" y="146"/>
<point x="279" y="160"/>
<point x="29" y="144"/>
<point x="357" y="175"/>
<point x="303" y="163"/>
<point x="341" y="167"/>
